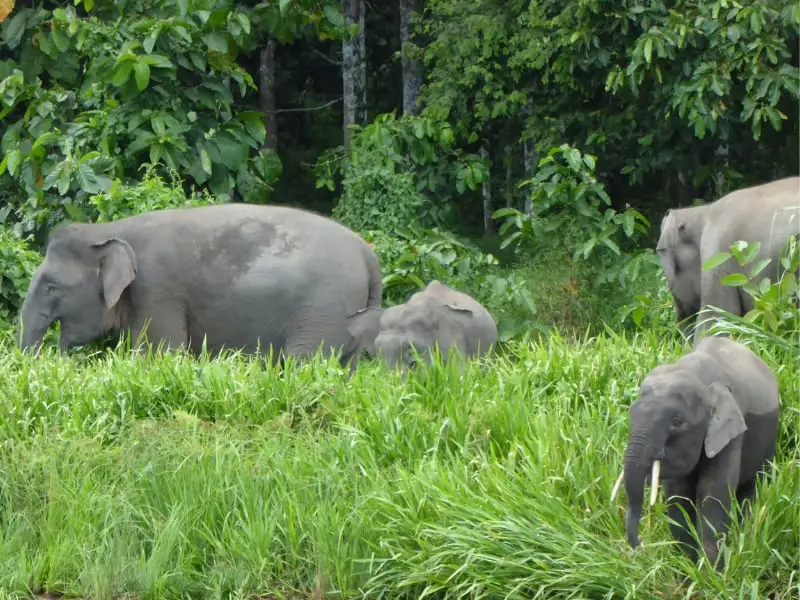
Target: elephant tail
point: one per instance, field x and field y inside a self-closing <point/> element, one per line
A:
<point x="375" y="277"/>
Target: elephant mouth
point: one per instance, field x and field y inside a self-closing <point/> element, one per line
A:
<point x="655" y="478"/>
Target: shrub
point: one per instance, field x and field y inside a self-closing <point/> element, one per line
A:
<point x="17" y="264"/>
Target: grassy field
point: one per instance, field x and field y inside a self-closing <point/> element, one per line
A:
<point x="171" y="477"/>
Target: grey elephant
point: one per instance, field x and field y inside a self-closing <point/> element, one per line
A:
<point x="435" y="316"/>
<point x="706" y="424"/>
<point x="241" y="276"/>
<point x="767" y="213"/>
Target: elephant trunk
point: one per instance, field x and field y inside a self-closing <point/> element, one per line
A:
<point x="640" y="460"/>
<point x="33" y="325"/>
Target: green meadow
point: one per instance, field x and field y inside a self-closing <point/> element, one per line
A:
<point x="156" y="476"/>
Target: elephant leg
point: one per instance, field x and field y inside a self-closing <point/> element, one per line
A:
<point x="745" y="496"/>
<point x="726" y="297"/>
<point x="163" y="326"/>
<point x="715" y="487"/>
<point x="680" y="494"/>
<point x="318" y="332"/>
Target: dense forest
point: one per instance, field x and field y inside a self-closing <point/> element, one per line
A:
<point x="527" y="134"/>
<point x="523" y="152"/>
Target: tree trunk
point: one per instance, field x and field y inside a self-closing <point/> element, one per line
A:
<point x="266" y="89"/>
<point x="412" y="68"/>
<point x="723" y="162"/>
<point x="509" y="190"/>
<point x="488" y="222"/>
<point x="530" y="159"/>
<point x="354" y="70"/>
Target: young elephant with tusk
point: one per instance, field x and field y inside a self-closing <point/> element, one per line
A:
<point x="706" y="424"/>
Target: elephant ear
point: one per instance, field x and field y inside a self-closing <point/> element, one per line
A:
<point x="726" y="422"/>
<point x="117" y="268"/>
<point x="363" y="328"/>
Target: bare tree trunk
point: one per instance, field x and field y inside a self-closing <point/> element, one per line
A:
<point x="488" y="222"/>
<point x="354" y="70"/>
<point x="266" y="90"/>
<point x="412" y="68"/>
<point x="530" y="160"/>
<point x="509" y="190"/>
<point x="723" y="161"/>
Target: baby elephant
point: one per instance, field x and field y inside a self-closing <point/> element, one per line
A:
<point x="436" y="315"/>
<point x="707" y="424"/>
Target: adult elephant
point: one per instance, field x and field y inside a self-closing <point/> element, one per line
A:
<point x="767" y="213"/>
<point x="241" y="276"/>
<point x="707" y="425"/>
<point x="435" y="316"/>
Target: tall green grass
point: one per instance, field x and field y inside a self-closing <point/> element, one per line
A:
<point x="166" y="477"/>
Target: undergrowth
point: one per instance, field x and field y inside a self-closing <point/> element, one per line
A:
<point x="167" y="476"/>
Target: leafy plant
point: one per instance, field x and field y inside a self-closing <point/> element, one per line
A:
<point x="17" y="264"/>
<point x="418" y="150"/>
<point x="92" y="89"/>
<point x="413" y="257"/>
<point x="776" y="304"/>
<point x="152" y="193"/>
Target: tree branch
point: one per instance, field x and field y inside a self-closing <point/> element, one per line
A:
<point x="336" y="63"/>
<point x="313" y="108"/>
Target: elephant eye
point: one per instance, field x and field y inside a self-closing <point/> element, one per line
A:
<point x="677" y="421"/>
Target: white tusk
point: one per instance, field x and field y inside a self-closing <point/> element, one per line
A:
<point x="617" y="485"/>
<point x="654" y="482"/>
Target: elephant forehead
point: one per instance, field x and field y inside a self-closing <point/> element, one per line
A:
<point x="658" y="384"/>
<point x="405" y="316"/>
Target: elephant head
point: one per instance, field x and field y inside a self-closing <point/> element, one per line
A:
<point x="421" y="326"/>
<point x="428" y="319"/>
<point x="678" y="251"/>
<point x="80" y="284"/>
<point x="676" y="419"/>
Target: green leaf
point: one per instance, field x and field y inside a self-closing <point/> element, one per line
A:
<point x="715" y="261"/>
<point x="142" y="73"/>
<point x="760" y="266"/>
<point x="150" y="41"/>
<point x="283" y="6"/>
<point x="121" y="74"/>
<point x="217" y="42"/>
<point x="253" y="122"/>
<point x="334" y="15"/>
<point x="87" y="179"/>
<point x="734" y="279"/>
<point x="15" y="29"/>
<point x="205" y="160"/>
<point x="60" y="39"/>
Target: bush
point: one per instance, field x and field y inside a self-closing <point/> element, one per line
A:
<point x="413" y="257"/>
<point x="17" y="264"/>
<point x="152" y="193"/>
<point x="376" y="198"/>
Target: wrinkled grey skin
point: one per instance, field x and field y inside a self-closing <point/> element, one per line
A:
<point x="238" y="274"/>
<point x="767" y="213"/>
<point x="436" y="315"/>
<point x="711" y="418"/>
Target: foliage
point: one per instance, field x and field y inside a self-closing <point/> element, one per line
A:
<point x="152" y="193"/>
<point x="90" y="91"/>
<point x="376" y="198"/>
<point x="413" y="257"/>
<point x="153" y="475"/>
<point x="566" y="194"/>
<point x="17" y="264"/>
<point x="776" y="304"/>
<point x="409" y="147"/>
<point x="680" y="100"/>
